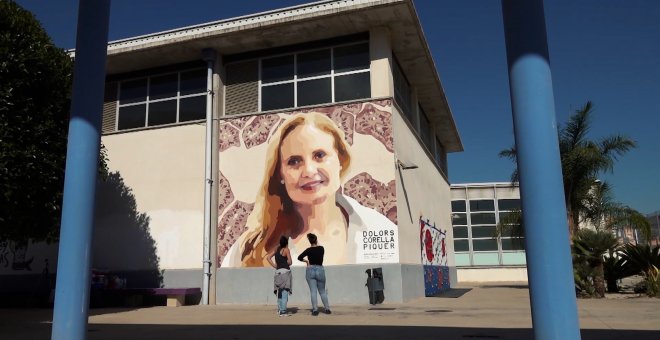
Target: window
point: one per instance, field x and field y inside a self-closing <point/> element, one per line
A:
<point x="476" y="242"/>
<point x="458" y="206"/>
<point x="459" y="224"/>
<point x="509" y="214"/>
<point x="162" y="99"/>
<point x="315" y="77"/>
<point x="458" y="219"/>
<point x="482" y="218"/>
<point x="508" y="204"/>
<point x="482" y="205"/>
<point x="425" y="129"/>
<point x="440" y="156"/>
<point x="402" y="92"/>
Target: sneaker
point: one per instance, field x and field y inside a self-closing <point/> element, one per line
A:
<point x="327" y="311"/>
<point x="315" y="313"/>
<point x="285" y="314"/>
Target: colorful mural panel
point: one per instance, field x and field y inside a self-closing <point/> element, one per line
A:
<point x="436" y="280"/>
<point x="434" y="257"/>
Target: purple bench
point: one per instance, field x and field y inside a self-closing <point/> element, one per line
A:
<point x="175" y="296"/>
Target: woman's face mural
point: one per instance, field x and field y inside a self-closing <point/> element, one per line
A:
<point x="309" y="165"/>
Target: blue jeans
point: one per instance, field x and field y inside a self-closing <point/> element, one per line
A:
<point x="315" y="276"/>
<point x="282" y="299"/>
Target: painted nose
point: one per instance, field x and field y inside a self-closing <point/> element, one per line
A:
<point x="309" y="169"/>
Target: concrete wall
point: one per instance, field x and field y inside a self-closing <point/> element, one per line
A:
<point x="421" y="192"/>
<point x="380" y="50"/>
<point x="345" y="285"/>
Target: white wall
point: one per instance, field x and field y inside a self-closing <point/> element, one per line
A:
<point x="426" y="190"/>
<point x="164" y="170"/>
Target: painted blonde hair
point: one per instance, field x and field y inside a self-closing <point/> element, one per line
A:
<point x="275" y="213"/>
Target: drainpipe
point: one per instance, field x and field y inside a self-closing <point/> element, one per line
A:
<point x="209" y="56"/>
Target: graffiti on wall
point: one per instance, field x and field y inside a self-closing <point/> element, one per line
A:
<point x="434" y="251"/>
<point x="434" y="257"/>
<point x="17" y="252"/>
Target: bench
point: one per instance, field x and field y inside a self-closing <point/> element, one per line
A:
<point x="175" y="296"/>
<point x="133" y="296"/>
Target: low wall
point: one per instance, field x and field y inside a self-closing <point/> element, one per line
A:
<point x="345" y="284"/>
<point x="492" y="274"/>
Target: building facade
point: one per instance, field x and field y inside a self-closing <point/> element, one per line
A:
<point x="360" y="70"/>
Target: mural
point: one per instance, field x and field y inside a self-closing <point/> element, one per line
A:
<point x="18" y="253"/>
<point x="434" y="258"/>
<point x="325" y="170"/>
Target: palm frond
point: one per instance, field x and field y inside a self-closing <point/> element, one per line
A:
<point x="578" y="126"/>
<point x="594" y="244"/>
<point x="511" y="154"/>
<point x="640" y="258"/>
<point x="615" y="146"/>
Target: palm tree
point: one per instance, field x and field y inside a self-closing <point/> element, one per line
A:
<point x="614" y="271"/>
<point x="582" y="160"/>
<point x="644" y="260"/>
<point x="591" y="247"/>
<point x="599" y="209"/>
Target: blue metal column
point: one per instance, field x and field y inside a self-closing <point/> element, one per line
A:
<point x="550" y="271"/>
<point x="73" y="267"/>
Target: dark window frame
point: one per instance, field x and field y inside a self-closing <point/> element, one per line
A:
<point x="147" y="101"/>
<point x="332" y="75"/>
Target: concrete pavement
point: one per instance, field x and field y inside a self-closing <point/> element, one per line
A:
<point x="495" y="311"/>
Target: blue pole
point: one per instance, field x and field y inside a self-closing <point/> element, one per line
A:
<point x="73" y="268"/>
<point x="550" y="271"/>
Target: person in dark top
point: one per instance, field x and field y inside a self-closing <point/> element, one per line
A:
<point x="315" y="274"/>
<point x="282" y="279"/>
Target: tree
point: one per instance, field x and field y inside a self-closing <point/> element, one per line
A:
<point x="600" y="210"/>
<point x="591" y="246"/>
<point x="582" y="161"/>
<point x="644" y="260"/>
<point x="35" y="87"/>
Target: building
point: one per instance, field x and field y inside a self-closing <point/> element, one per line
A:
<point x="481" y="254"/>
<point x="654" y="220"/>
<point x="364" y="64"/>
<point x="626" y="234"/>
<point x="484" y="255"/>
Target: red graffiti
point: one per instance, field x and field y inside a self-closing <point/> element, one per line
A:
<point x="428" y="245"/>
<point x="444" y="250"/>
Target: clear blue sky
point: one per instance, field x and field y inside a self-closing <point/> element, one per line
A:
<point x="606" y="51"/>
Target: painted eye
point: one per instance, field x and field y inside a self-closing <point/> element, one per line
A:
<point x="319" y="155"/>
<point x="293" y="161"/>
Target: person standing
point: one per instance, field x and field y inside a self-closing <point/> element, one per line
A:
<point x="282" y="279"/>
<point x="315" y="274"/>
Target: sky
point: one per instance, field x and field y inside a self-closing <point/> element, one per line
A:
<point x="605" y="51"/>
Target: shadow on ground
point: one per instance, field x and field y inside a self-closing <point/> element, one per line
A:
<point x="515" y="286"/>
<point x="452" y="293"/>
<point x="292" y="332"/>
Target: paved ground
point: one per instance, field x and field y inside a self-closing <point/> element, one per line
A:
<point x="482" y="312"/>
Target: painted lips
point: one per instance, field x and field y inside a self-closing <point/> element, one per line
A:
<point x="310" y="186"/>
